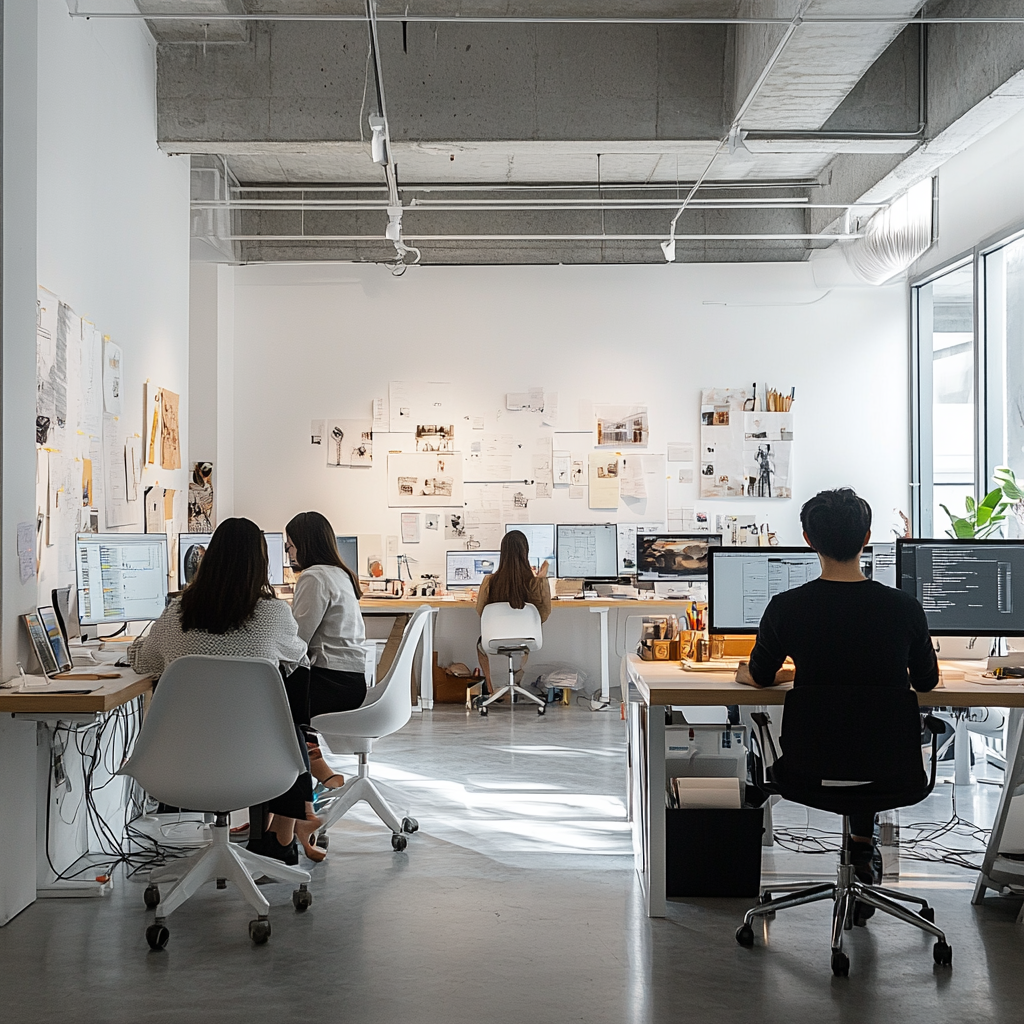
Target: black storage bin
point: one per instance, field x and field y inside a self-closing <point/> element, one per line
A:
<point x="713" y="851"/>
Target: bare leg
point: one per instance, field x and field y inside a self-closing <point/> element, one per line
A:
<point x="485" y="667"/>
<point x="304" y="832"/>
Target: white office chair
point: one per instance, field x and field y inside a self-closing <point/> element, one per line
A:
<point x="507" y="631"/>
<point x="386" y="709"/>
<point x="218" y="736"/>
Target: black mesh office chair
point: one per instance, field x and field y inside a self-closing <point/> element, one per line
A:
<point x="849" y="750"/>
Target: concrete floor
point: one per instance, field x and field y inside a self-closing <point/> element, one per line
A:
<point x="515" y="902"/>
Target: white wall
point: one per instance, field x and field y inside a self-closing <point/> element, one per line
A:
<point x="981" y="194"/>
<point x="323" y="341"/>
<point x="113" y="211"/>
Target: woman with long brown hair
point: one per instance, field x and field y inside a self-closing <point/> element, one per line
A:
<point x="326" y="608"/>
<point x="230" y="611"/>
<point x="514" y="582"/>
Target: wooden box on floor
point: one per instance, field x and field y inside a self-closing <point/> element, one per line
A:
<point x="713" y="851"/>
<point x="449" y="689"/>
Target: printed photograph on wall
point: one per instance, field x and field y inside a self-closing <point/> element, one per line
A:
<point x="722" y="443"/>
<point x="621" y="426"/>
<point x="200" y="498"/>
<point x="435" y="437"/>
<point x="349" y="443"/>
<point x="424" y="479"/>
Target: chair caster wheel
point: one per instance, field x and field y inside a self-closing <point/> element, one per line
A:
<point x="483" y="712"/>
<point x="745" y="935"/>
<point x="541" y="709"/>
<point x="942" y="954"/>
<point x="928" y="913"/>
<point x="152" y="897"/>
<point x="399" y="842"/>
<point x="157" y="936"/>
<point x="302" y="899"/>
<point x="840" y="965"/>
<point x="410" y="825"/>
<point x="323" y="840"/>
<point x="259" y="930"/>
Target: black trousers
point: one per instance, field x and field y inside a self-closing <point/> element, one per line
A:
<point x="862" y="825"/>
<point x="320" y="691"/>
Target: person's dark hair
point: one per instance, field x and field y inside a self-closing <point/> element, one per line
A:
<point x="315" y="544"/>
<point x="230" y="580"/>
<point x="513" y="580"/>
<point x="836" y="523"/>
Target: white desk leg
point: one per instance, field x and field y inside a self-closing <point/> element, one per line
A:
<point x="427" y="663"/>
<point x="1011" y="780"/>
<point x="605" y="691"/>
<point x="962" y="752"/>
<point x="654" y="800"/>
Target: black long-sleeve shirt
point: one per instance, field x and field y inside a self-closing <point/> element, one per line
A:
<point x="837" y="633"/>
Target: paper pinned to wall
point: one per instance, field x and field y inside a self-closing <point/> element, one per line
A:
<point x="627" y="543"/>
<point x="115" y="493"/>
<point x="525" y="401"/>
<point x="560" y="468"/>
<point x="170" y="439"/>
<point x="316" y="431"/>
<point x="153" y="503"/>
<point x="550" y="417"/>
<point x="90" y="403"/>
<point x="603" y="478"/>
<point x="380" y="415"/>
<point x="577" y="475"/>
<point x="620" y="426"/>
<point x="349" y="443"/>
<point x="410" y="527"/>
<point x="644" y="477"/>
<point x="631" y="477"/>
<point x="132" y="471"/>
<point x="26" y="552"/>
<point x="112" y="377"/>
<point x="431" y="520"/>
<point x="680" y="451"/>
<point x="46" y="358"/>
<point x="424" y="479"/>
<point x="577" y="492"/>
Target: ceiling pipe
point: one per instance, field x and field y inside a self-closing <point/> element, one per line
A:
<point x="674" y="186"/>
<point x="545" y="238"/>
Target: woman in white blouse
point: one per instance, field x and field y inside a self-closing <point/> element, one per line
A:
<point x="326" y="608"/>
<point x="229" y="610"/>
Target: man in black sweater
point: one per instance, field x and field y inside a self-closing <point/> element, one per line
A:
<point x="843" y="629"/>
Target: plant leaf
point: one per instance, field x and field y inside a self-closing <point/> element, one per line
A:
<point x="992" y="498"/>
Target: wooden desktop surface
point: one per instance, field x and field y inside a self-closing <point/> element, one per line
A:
<point x="666" y="682"/>
<point x="109" y="694"/>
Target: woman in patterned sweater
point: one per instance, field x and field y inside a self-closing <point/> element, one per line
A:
<point x="230" y="611"/>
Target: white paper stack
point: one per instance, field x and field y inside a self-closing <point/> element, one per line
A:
<point x="688" y="793"/>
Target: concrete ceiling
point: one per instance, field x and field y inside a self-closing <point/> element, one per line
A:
<point x="833" y="110"/>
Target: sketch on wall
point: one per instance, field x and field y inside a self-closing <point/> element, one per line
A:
<point x="349" y="443"/>
<point x="435" y="437"/>
<point x="200" y="498"/>
<point x="424" y="479"/>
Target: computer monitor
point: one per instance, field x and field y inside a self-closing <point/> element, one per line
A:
<point x="348" y="548"/>
<point x="541" y="537"/>
<point x="966" y="587"/>
<point x="192" y="547"/>
<point x="122" y="577"/>
<point x="468" y="568"/>
<point x="741" y="582"/>
<point x="588" y="551"/>
<point x="878" y="562"/>
<point x="674" y="556"/>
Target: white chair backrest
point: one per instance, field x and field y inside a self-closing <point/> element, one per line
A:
<point x="388" y="705"/>
<point x="218" y="735"/>
<point x="502" y="625"/>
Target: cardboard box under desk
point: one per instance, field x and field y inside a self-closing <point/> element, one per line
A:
<point x="713" y="851"/>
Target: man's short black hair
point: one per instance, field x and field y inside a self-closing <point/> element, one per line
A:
<point x="836" y="522"/>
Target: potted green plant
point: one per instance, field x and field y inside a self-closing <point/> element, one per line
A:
<point x="982" y="518"/>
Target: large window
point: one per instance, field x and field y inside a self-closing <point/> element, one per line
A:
<point x="945" y="435"/>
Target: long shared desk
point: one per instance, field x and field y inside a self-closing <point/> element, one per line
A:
<point x="661" y="685"/>
<point x="381" y="607"/>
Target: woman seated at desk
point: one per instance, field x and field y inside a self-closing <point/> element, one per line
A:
<point x="229" y="610"/>
<point x="326" y="608"/>
<point x="516" y="583"/>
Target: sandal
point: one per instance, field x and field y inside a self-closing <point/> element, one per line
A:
<point x="304" y="833"/>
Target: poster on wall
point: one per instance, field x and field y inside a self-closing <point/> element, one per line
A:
<point x="604" y="479"/>
<point x="424" y="479"/>
<point x="349" y="443"/>
<point x="620" y="426"/>
<point x="51" y="370"/>
<point x="200" y="499"/>
<point x="722" y="443"/>
<point x="170" y="439"/>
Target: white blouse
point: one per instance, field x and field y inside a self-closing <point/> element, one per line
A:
<point x="270" y="633"/>
<point x="327" y="611"/>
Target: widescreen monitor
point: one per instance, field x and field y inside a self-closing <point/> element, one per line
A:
<point x="741" y="582"/>
<point x="348" y="548"/>
<point x="192" y="547"/>
<point x="468" y="568"/>
<point x="674" y="556"/>
<point x="122" y="577"/>
<point x="966" y="587"/>
<point x="541" y="537"/>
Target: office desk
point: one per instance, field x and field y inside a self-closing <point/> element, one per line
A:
<point x="662" y="684"/>
<point x="393" y="607"/>
<point x="43" y="838"/>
